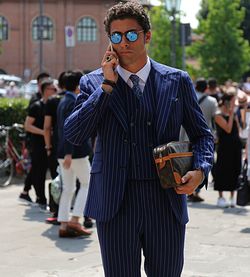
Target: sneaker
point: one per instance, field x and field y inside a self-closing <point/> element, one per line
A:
<point x="52" y="220"/>
<point x="43" y="208"/>
<point x="222" y="203"/>
<point x="232" y="202"/>
<point x="25" y="198"/>
<point x="88" y="223"/>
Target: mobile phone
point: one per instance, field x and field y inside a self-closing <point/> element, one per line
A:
<point x="109" y="58"/>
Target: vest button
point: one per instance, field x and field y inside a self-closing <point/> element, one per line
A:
<point x="132" y="124"/>
<point x="125" y="141"/>
<point x="149" y="123"/>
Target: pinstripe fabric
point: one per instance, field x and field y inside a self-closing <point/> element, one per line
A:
<point x="96" y="111"/>
<point x="145" y="221"/>
<point x="141" y="132"/>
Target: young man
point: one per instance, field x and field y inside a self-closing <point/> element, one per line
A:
<point x="51" y="140"/>
<point x="24" y="195"/>
<point x="74" y="163"/>
<point x="135" y="104"/>
<point x="34" y="125"/>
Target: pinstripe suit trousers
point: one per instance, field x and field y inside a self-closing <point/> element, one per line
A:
<point x="145" y="222"/>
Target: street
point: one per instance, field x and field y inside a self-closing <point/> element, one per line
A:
<point x="217" y="242"/>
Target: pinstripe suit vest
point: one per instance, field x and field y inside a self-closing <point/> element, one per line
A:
<point x="141" y="132"/>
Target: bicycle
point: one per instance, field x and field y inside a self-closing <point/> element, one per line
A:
<point x="12" y="160"/>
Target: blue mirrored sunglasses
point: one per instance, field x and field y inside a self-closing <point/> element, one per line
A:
<point x="131" y="36"/>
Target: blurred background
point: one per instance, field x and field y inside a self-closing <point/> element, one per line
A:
<point x="205" y="37"/>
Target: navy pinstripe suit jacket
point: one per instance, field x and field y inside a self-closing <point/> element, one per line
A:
<point x="104" y="114"/>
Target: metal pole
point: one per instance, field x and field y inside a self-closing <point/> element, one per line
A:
<point x="173" y="42"/>
<point x="183" y="35"/>
<point x="41" y="38"/>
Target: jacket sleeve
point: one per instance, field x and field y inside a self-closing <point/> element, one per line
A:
<point x="90" y="106"/>
<point x="196" y="127"/>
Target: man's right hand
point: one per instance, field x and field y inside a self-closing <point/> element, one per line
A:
<point x="109" y="67"/>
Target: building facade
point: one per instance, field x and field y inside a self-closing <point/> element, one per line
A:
<point x="51" y="35"/>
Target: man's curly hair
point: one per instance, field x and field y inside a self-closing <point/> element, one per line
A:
<point x="129" y="9"/>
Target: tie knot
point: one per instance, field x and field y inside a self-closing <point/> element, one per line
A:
<point x="135" y="79"/>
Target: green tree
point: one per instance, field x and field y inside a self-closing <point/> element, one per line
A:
<point x="224" y="53"/>
<point x="160" y="46"/>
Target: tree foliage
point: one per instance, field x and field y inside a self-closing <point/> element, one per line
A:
<point x="160" y="46"/>
<point x="224" y="53"/>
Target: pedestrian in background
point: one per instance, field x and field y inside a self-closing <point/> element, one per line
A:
<point x="229" y="148"/>
<point x="51" y="140"/>
<point x="34" y="125"/>
<point x="209" y="107"/>
<point x="28" y="182"/>
<point x="74" y="163"/>
<point x="134" y="104"/>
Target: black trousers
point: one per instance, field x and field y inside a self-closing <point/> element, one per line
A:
<point x="52" y="164"/>
<point x="39" y="163"/>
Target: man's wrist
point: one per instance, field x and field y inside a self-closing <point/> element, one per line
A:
<point x="107" y="88"/>
<point x="202" y="173"/>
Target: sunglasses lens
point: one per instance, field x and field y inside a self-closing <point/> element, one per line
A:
<point x="132" y="36"/>
<point x="116" y="38"/>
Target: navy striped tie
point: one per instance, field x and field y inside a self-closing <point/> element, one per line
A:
<point x="136" y="88"/>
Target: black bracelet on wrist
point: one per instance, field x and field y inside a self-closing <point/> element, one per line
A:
<point x="109" y="82"/>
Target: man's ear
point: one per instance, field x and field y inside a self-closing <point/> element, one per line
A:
<point x="147" y="37"/>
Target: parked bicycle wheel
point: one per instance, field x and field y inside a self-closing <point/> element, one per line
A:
<point x="6" y="168"/>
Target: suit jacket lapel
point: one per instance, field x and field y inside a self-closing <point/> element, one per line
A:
<point x="117" y="103"/>
<point x="166" y="91"/>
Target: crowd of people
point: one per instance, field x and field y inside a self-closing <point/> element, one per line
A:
<point x="226" y="110"/>
<point x="49" y="149"/>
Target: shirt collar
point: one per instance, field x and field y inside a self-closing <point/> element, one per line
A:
<point x="142" y="73"/>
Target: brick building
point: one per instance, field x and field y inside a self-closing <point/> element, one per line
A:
<point x="24" y="53"/>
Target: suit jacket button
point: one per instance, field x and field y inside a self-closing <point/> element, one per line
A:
<point x="132" y="124"/>
<point x="149" y="123"/>
<point x="125" y="141"/>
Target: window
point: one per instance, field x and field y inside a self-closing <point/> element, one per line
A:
<point x="86" y="29"/>
<point x="3" y="28"/>
<point x="43" y="26"/>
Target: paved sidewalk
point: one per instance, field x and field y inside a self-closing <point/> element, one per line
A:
<point x="217" y="243"/>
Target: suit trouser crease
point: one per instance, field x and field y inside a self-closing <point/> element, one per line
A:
<point x="144" y="222"/>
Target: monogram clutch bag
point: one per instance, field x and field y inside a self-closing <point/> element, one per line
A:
<point x="173" y="160"/>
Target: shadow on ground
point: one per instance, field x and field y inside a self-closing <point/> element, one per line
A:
<point x="72" y="245"/>
<point x="203" y="205"/>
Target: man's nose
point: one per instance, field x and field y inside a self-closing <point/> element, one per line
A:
<point x="124" y="42"/>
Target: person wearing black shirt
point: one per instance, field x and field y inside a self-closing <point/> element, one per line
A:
<point x="51" y="139"/>
<point x="24" y="195"/>
<point x="34" y="124"/>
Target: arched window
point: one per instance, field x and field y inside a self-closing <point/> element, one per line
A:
<point x="3" y="28"/>
<point x="86" y="29"/>
<point x="42" y="26"/>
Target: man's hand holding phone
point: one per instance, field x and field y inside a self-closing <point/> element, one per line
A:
<point x="109" y="64"/>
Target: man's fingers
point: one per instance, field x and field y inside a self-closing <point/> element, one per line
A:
<point x="186" y="178"/>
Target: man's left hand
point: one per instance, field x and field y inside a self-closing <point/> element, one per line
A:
<point x="190" y="181"/>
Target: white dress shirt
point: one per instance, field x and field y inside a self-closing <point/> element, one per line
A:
<point x="142" y="74"/>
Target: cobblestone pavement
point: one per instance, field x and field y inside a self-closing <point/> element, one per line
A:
<point x="217" y="242"/>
